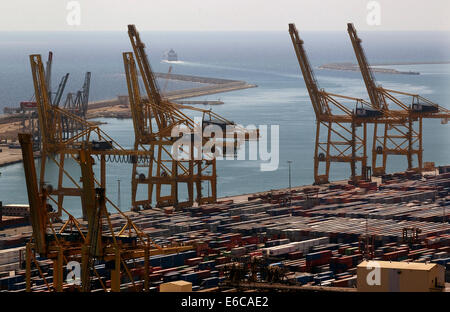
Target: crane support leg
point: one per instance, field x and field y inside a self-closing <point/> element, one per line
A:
<point x="115" y="273"/>
<point x="353" y="147"/>
<point x="28" y="266"/>
<point x="146" y="268"/>
<point x="420" y="154"/>
<point x="60" y="181"/>
<point x="58" y="271"/>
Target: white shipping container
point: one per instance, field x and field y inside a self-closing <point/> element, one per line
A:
<point x="9" y="267"/>
<point x="11" y="255"/>
<point x="279" y="251"/>
<point x="302" y="246"/>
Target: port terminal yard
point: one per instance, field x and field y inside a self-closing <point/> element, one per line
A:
<point x="315" y="235"/>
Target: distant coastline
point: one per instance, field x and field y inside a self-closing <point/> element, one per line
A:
<point x="355" y="67"/>
<point x="412" y="63"/>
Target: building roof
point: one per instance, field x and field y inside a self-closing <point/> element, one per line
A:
<point x="179" y="283"/>
<point x="399" y="265"/>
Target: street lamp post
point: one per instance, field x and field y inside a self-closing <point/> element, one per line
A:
<point x="118" y="193"/>
<point x="208" y="172"/>
<point x="289" y="163"/>
<point x="290" y="186"/>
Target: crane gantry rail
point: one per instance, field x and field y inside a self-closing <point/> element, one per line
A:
<point x="399" y="137"/>
<point x="344" y="142"/>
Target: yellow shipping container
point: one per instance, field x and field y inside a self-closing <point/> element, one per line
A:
<point x="387" y="276"/>
<point x="177" y="286"/>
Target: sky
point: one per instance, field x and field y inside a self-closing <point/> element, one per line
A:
<point x="223" y="15"/>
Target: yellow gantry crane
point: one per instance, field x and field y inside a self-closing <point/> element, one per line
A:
<point x="399" y="137"/>
<point x="156" y="124"/>
<point x="63" y="133"/>
<point x="344" y="141"/>
<point x="47" y="241"/>
<point x="98" y="242"/>
<point x="55" y="141"/>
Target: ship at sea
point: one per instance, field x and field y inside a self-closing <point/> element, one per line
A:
<point x="171" y="56"/>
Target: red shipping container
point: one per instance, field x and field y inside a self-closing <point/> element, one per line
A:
<point x="295" y="255"/>
<point x="251" y="240"/>
<point x="154" y="277"/>
<point x="345" y="260"/>
<point x="193" y="261"/>
<point x="445" y="248"/>
<point x="222" y="260"/>
<point x="391" y="255"/>
<point x="326" y="254"/>
<point x="345" y="276"/>
<point x="202" y="247"/>
<point x="164" y="271"/>
<point x="255" y="254"/>
<point x="225" y="202"/>
<point x="203" y="273"/>
<point x="343" y="248"/>
<point x="347" y="282"/>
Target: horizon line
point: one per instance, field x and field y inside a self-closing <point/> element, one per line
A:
<point x="224" y="30"/>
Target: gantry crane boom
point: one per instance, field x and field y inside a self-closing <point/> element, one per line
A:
<point x="168" y="112"/>
<point x="48" y="75"/>
<point x="369" y="79"/>
<point x="78" y="104"/>
<point x="53" y="100"/>
<point x="42" y="99"/>
<point x="378" y="93"/>
<point x="60" y="90"/>
<point x="84" y="93"/>
<point x="149" y="79"/>
<point x="140" y="113"/>
<point x="308" y="74"/>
